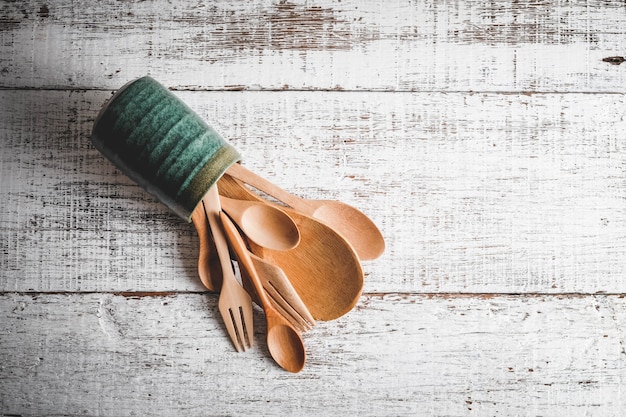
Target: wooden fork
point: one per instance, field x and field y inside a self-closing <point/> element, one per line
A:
<point x="235" y="304"/>
<point x="277" y="287"/>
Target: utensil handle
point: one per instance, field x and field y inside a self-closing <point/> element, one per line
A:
<point x="213" y="209"/>
<point x="198" y="217"/>
<point x="239" y="247"/>
<point x="241" y="173"/>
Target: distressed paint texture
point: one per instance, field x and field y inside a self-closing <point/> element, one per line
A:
<point x="318" y="45"/>
<point x="484" y="138"/>
<point x="521" y="193"/>
<point x="394" y="355"/>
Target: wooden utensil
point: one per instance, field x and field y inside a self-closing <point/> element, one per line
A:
<point x="348" y="221"/>
<point x="209" y="268"/>
<point x="266" y="225"/>
<point x="280" y="292"/>
<point x="272" y="227"/>
<point x="323" y="269"/>
<point x="283" y="340"/>
<point x="235" y="304"/>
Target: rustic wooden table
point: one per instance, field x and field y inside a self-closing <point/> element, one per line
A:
<point x="486" y="139"/>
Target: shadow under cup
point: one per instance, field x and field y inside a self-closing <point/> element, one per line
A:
<point x="161" y="144"/>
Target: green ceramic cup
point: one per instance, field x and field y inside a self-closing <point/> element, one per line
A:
<point x="161" y="144"/>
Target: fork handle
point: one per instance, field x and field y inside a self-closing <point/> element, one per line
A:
<point x="239" y="247"/>
<point x="212" y="206"/>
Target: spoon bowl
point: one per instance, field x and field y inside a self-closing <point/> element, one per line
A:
<point x="323" y="269"/>
<point x="265" y="225"/>
<point x="284" y="343"/>
<point x="283" y="340"/>
<point x="352" y="224"/>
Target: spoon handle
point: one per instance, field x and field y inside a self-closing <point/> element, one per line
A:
<point x="241" y="173"/>
<point x="209" y="270"/>
<point x="239" y="247"/>
<point x="213" y="209"/>
<point x="283" y="340"/>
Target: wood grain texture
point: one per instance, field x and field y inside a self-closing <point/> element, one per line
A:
<point x="394" y="355"/>
<point x="476" y="193"/>
<point x="485" y="138"/>
<point x="318" y="45"/>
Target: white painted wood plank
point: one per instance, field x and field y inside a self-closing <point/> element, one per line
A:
<point x="67" y="209"/>
<point x="476" y="193"/>
<point x="322" y="44"/>
<point x="114" y="355"/>
<point x="473" y="192"/>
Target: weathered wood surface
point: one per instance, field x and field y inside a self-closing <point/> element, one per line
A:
<point x="393" y="355"/>
<point x="485" y="138"/>
<point x="474" y="192"/>
<point x="343" y="45"/>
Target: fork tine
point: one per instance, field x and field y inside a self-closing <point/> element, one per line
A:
<point x="283" y="292"/>
<point x="294" y="318"/>
<point x="243" y="313"/>
<point x="286" y="309"/>
<point x="231" y="325"/>
<point x="234" y="303"/>
<point x="237" y="316"/>
<point x="248" y="331"/>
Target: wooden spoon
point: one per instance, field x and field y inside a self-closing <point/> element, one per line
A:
<point x="209" y="268"/>
<point x="283" y="340"/>
<point x="351" y="223"/>
<point x="324" y="269"/>
<point x="280" y="291"/>
<point x="265" y="225"/>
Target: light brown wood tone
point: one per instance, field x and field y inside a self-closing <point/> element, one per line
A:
<point x="209" y="267"/>
<point x="323" y="268"/>
<point x="264" y="224"/>
<point x="351" y="223"/>
<point x="280" y="292"/>
<point x="234" y="302"/>
<point x="275" y="282"/>
<point x="485" y="139"/>
<point x="523" y="193"/>
<point x="283" y="340"/>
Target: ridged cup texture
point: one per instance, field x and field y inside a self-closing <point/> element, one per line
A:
<point x="161" y="144"/>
